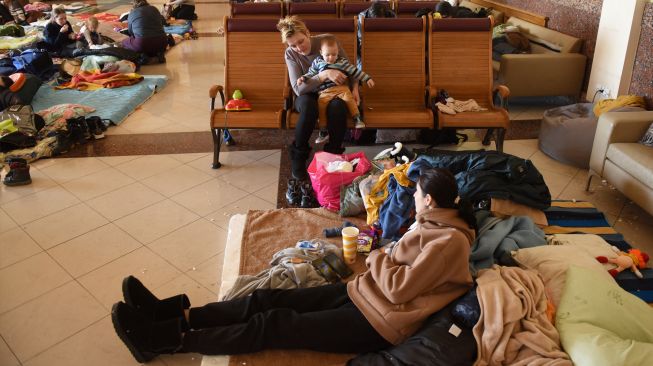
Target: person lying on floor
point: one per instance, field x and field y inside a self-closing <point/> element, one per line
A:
<point x="404" y="284"/>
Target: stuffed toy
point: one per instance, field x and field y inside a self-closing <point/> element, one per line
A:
<point x="238" y="103"/>
<point x="401" y="154"/>
<point x="635" y="259"/>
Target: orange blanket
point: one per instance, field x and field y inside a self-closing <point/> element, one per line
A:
<point x="85" y="80"/>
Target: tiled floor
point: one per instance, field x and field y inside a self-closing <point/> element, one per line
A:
<point x="68" y="239"/>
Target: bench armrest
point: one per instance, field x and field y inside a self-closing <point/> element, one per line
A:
<point x="616" y="127"/>
<point x="543" y="74"/>
<point x="213" y="93"/>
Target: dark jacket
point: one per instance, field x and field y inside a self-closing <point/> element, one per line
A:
<point x="433" y="344"/>
<point x="485" y="174"/>
<point x="145" y="21"/>
<point x="56" y="40"/>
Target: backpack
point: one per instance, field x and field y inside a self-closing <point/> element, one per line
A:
<point x="34" y="61"/>
<point x="24" y="119"/>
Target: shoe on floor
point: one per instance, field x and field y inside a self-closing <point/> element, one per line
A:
<point x="18" y="174"/>
<point x="142" y="300"/>
<point x="293" y="193"/>
<point x="308" y="196"/>
<point x="322" y="137"/>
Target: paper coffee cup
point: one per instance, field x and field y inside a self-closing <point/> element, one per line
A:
<point x="349" y="244"/>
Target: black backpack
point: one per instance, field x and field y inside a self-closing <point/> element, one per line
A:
<point x="34" y="61"/>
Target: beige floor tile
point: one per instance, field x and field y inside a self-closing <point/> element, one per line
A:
<point x="637" y="232"/>
<point x="176" y="180"/>
<point x="190" y="245"/>
<point x="182" y="359"/>
<point x="40" y="182"/>
<point x="230" y="160"/>
<point x="252" y="177"/>
<point x="542" y="161"/>
<point x="117" y="160"/>
<point x="28" y="279"/>
<point x="16" y="245"/>
<point x="221" y="216"/>
<point x="40" y="204"/>
<point x="96" y="184"/>
<point x="66" y="169"/>
<point x="105" y="283"/>
<point x="148" y="166"/>
<point x="42" y="163"/>
<point x="142" y="121"/>
<point x="93" y="249"/>
<point x="156" y="221"/>
<point x="7" y="358"/>
<point x="269" y="192"/>
<point x="521" y="150"/>
<point x="632" y="211"/>
<point x="259" y="154"/>
<point x="555" y="181"/>
<point x="601" y="195"/>
<point x="274" y="159"/>
<point x="49" y="319"/>
<point x="187" y="158"/>
<point x="117" y="130"/>
<point x="125" y="201"/>
<point x="64" y="225"/>
<point x="97" y="345"/>
<point x="6" y="222"/>
<point x="209" y="196"/>
<point x="209" y="273"/>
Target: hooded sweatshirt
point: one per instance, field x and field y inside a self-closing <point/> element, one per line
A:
<point x="426" y="270"/>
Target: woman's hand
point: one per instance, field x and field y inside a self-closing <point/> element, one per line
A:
<point x="300" y="81"/>
<point x="370" y="83"/>
<point x="65" y="28"/>
<point x="336" y="76"/>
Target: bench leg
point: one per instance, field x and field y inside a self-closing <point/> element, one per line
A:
<point x="217" y="141"/>
<point x="488" y="136"/>
<point x="499" y="135"/>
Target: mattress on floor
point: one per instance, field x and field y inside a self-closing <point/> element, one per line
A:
<point x="122" y="101"/>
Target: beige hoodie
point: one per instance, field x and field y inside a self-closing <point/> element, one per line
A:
<point x="427" y="269"/>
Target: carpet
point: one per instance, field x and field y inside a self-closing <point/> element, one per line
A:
<point x="123" y="101"/>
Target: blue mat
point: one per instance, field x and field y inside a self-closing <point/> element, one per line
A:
<point x="178" y="28"/>
<point x="113" y="104"/>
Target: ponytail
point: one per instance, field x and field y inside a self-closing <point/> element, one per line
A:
<point x="466" y="212"/>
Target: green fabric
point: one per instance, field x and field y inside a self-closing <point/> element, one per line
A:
<point x="602" y="324"/>
<point x="12" y="30"/>
<point x="7" y="127"/>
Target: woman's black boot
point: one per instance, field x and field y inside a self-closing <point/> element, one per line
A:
<point x="144" y="338"/>
<point x="293" y="194"/>
<point x="142" y="300"/>
<point x="308" y="196"/>
<point x="298" y="158"/>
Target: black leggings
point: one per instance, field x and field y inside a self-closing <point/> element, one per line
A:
<point x="337" y="112"/>
<point x="320" y="319"/>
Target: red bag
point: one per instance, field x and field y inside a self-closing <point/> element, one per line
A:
<point x="327" y="185"/>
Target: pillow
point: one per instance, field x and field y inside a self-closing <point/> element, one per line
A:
<point x="552" y="261"/>
<point x="602" y="324"/>
<point x="61" y="112"/>
<point x="592" y="244"/>
<point x="647" y="139"/>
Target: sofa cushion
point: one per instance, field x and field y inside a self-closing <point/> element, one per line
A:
<point x="547" y="40"/>
<point x="636" y="159"/>
<point x="602" y="324"/>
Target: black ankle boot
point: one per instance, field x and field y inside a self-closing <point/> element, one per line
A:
<point x="293" y="194"/>
<point x="18" y="172"/>
<point x="140" y="298"/>
<point x="298" y="158"/>
<point x="308" y="196"/>
<point x="144" y="338"/>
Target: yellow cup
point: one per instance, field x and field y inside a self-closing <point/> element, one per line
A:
<point x="349" y="244"/>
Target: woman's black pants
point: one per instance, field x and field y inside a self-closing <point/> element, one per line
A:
<point x="337" y="112"/>
<point x="319" y="319"/>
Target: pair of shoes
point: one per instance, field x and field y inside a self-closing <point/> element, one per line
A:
<point x="308" y="196"/>
<point x="18" y="172"/>
<point x="78" y="131"/>
<point x="358" y="122"/>
<point x="322" y="137"/>
<point x="96" y="127"/>
<point x="149" y="326"/>
<point x="293" y="194"/>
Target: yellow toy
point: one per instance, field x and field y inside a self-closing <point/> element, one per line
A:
<point x="635" y="259"/>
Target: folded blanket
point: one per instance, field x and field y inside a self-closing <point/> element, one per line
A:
<point x="85" y="80"/>
<point x="514" y="329"/>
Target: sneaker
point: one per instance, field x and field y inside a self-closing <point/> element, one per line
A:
<point x="322" y="137"/>
<point x="358" y="123"/>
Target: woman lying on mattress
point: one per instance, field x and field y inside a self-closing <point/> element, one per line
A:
<point x="404" y="284"/>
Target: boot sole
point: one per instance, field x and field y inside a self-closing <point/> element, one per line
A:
<point x="12" y="184"/>
<point x="141" y="357"/>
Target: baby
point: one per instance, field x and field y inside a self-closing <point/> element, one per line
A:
<point x="88" y="34"/>
<point x="328" y="90"/>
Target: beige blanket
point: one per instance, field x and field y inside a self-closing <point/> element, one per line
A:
<point x="514" y="329"/>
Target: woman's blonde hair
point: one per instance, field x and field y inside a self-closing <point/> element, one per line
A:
<point x="58" y="10"/>
<point x="291" y="25"/>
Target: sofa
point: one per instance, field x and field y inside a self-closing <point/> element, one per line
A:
<point x="618" y="157"/>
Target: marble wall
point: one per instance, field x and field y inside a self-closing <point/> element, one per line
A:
<point x="642" y="81"/>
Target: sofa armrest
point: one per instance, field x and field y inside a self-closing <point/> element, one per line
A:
<point x="543" y="74"/>
<point x="616" y="127"/>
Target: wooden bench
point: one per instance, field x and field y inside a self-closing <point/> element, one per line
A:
<point x="345" y="30"/>
<point x="408" y="9"/>
<point x="393" y="53"/>
<point x="460" y="59"/>
<point x="350" y="9"/>
<point x="314" y="10"/>
<point x="260" y="76"/>
<point x="257" y="10"/>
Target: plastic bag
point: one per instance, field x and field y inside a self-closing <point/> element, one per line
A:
<point x="327" y="185"/>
